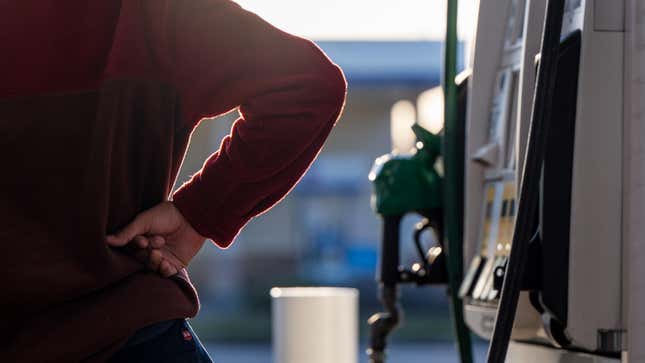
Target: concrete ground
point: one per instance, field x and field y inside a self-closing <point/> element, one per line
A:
<point x="399" y="353"/>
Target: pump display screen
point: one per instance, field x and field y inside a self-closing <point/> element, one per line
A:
<point x="498" y="209"/>
<point x="514" y="25"/>
<point x="499" y="190"/>
<point x="503" y="119"/>
<point x="499" y="108"/>
<point x="511" y="130"/>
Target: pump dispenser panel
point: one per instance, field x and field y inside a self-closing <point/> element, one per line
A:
<point x="493" y="147"/>
<point x="576" y="248"/>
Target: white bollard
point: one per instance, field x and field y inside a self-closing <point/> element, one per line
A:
<point x="315" y="325"/>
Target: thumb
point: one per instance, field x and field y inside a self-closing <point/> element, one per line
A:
<point x="139" y="226"/>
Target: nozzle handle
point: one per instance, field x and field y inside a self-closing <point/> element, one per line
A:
<point x="388" y="271"/>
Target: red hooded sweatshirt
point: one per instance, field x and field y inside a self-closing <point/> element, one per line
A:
<point x="97" y="103"/>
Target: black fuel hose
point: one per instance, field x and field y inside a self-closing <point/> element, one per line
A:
<point x="529" y="189"/>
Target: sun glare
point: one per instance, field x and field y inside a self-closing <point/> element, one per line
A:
<point x="362" y="19"/>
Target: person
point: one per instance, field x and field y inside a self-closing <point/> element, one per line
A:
<point x="97" y="103"/>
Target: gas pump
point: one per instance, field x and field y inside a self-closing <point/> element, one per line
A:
<point x="412" y="184"/>
<point x="405" y="184"/>
<point x="543" y="209"/>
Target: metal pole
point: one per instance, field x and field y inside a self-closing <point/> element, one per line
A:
<point x="453" y="153"/>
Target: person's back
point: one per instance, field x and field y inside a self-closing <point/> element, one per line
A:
<point x="76" y="164"/>
<point x="97" y="102"/>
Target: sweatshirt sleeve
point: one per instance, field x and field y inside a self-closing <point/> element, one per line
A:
<point x="289" y="95"/>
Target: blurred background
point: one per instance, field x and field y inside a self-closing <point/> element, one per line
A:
<point x="324" y="232"/>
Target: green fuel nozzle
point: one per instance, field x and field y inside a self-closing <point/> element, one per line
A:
<point x="405" y="183"/>
<point x="408" y="183"/>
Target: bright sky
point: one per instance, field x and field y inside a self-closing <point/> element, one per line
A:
<point x="363" y="19"/>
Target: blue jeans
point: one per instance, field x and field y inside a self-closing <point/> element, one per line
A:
<point x="171" y="341"/>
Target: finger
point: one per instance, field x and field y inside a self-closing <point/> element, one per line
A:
<point x="176" y="260"/>
<point x="154" y="260"/>
<point x="166" y="269"/>
<point x="141" y="241"/>
<point x="140" y="225"/>
<point x="157" y="241"/>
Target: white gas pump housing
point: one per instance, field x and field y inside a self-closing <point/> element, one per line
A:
<point x="595" y="243"/>
<point x="579" y="305"/>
